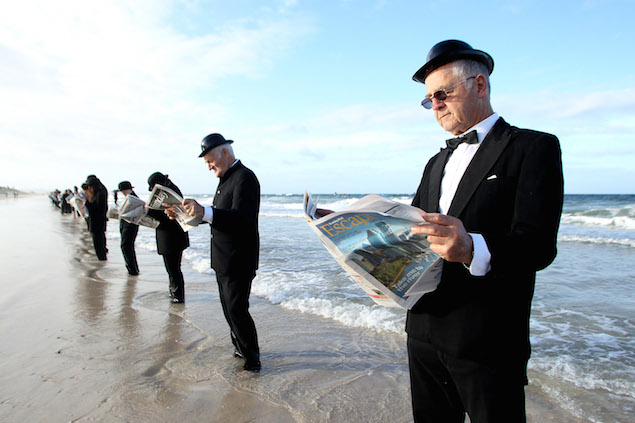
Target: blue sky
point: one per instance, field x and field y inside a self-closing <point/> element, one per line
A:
<point x="317" y="95"/>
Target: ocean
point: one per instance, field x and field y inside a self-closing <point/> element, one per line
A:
<point x="583" y="315"/>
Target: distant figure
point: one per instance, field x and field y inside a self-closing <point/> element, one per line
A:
<point x="64" y="204"/>
<point x="84" y="197"/>
<point x="171" y="240"/>
<point x="235" y="241"/>
<point x="97" y="205"/>
<point x="128" y="233"/>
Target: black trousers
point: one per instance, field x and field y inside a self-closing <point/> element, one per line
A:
<point x="444" y="388"/>
<point x="128" y="237"/>
<point x="99" y="242"/>
<point x="234" y="297"/>
<point x="173" y="266"/>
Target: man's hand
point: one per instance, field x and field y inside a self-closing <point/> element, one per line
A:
<point x="170" y="212"/>
<point x="193" y="208"/>
<point x="448" y="237"/>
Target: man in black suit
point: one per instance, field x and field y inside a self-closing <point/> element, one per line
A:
<point x="235" y="241"/>
<point x="97" y="205"/>
<point x="493" y="200"/>
<point x="171" y="241"/>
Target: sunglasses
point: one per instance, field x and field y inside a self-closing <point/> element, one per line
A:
<point x="441" y="95"/>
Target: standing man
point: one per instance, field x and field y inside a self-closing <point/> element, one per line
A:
<point x="171" y="240"/>
<point x="128" y="233"/>
<point x="235" y="241"/>
<point x="97" y="205"/>
<point x="493" y="199"/>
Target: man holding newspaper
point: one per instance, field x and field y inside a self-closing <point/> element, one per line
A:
<point x="493" y="199"/>
<point x="235" y="241"/>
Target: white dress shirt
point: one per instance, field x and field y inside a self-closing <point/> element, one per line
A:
<point x="452" y="174"/>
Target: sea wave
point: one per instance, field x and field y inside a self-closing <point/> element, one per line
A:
<point x="586" y="375"/>
<point x="597" y="240"/>
<point x="613" y="218"/>
<point x="346" y="304"/>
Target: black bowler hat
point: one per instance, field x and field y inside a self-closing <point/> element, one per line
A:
<point x="156" y="178"/>
<point x="450" y="51"/>
<point x="125" y="185"/>
<point x="212" y="141"/>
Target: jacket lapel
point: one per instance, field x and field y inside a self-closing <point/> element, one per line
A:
<point x="487" y="154"/>
<point x="436" y="174"/>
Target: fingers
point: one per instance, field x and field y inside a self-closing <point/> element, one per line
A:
<point x="447" y="236"/>
<point x="193" y="208"/>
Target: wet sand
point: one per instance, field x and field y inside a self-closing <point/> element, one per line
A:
<point x="83" y="341"/>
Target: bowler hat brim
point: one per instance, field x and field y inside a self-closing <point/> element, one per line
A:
<point x="453" y="55"/>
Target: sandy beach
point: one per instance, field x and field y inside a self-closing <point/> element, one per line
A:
<point x="83" y="341"/>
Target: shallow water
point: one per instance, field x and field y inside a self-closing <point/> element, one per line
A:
<point x="325" y="345"/>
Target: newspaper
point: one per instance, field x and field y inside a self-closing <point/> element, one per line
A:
<point x="133" y="211"/>
<point x="78" y="204"/>
<point x="162" y="198"/>
<point x="373" y="241"/>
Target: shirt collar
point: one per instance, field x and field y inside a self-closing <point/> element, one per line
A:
<point x="483" y="127"/>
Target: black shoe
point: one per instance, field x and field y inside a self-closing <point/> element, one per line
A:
<point x="252" y="367"/>
<point x="177" y="300"/>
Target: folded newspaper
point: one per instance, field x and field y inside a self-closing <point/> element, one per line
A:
<point x="162" y="198"/>
<point x="373" y="241"/>
<point x="133" y="210"/>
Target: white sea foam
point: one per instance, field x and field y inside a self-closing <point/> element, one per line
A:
<point x="597" y="240"/>
<point x="314" y="293"/>
<point x="350" y="314"/>
<point x="612" y="220"/>
<point x="585" y="375"/>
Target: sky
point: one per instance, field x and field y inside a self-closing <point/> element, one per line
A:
<point x="317" y="95"/>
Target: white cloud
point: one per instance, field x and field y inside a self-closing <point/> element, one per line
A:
<point x="106" y="82"/>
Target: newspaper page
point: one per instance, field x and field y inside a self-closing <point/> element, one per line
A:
<point x="133" y="211"/>
<point x="162" y="198"/>
<point x="373" y="241"/>
<point x="79" y="205"/>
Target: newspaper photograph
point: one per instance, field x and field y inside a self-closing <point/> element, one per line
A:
<point x="373" y="241"/>
<point x="162" y="198"/>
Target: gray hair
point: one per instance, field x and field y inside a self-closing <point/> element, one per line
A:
<point x="219" y="150"/>
<point x="467" y="68"/>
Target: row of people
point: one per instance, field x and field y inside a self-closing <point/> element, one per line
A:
<point x="233" y="219"/>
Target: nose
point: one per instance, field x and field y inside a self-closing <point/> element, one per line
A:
<point x="437" y="104"/>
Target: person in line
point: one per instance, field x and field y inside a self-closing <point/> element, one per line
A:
<point x="493" y="200"/>
<point x="64" y="204"/>
<point x="128" y="232"/>
<point x="97" y="206"/>
<point x="171" y="240"/>
<point x="235" y="245"/>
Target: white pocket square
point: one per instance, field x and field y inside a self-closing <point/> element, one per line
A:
<point x="489" y="178"/>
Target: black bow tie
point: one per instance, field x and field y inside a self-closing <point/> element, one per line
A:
<point x="469" y="138"/>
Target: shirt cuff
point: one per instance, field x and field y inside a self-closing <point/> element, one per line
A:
<point x="209" y="214"/>
<point x="481" y="261"/>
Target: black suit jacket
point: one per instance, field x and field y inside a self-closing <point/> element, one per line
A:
<point x="512" y="194"/>
<point x="97" y="211"/>
<point x="235" y="238"/>
<point x="171" y="239"/>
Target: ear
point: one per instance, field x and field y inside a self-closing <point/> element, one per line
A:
<point x="480" y="82"/>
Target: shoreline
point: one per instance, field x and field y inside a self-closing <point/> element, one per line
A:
<point x="85" y="341"/>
